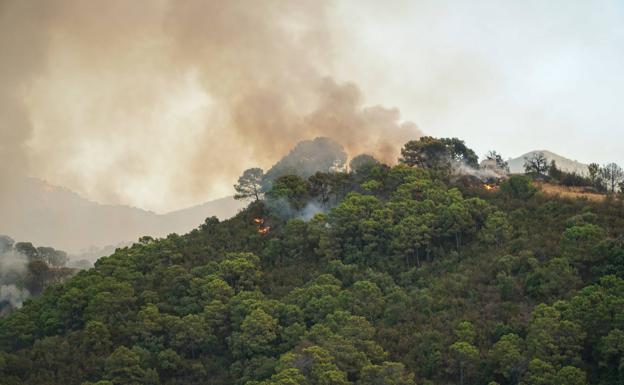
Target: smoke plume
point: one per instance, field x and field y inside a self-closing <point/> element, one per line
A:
<point x="26" y="270"/>
<point x="13" y="269"/>
<point x="484" y="172"/>
<point x="161" y="104"/>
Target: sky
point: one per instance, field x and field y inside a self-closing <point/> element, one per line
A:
<point x="162" y="104"/>
<point x="506" y="75"/>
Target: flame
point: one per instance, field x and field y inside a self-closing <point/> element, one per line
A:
<point x="489" y="186"/>
<point x="262" y="229"/>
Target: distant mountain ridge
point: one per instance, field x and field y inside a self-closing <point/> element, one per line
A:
<point x="516" y="165"/>
<point x="55" y="216"/>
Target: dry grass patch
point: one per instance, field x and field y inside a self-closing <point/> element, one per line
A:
<point x="570" y="192"/>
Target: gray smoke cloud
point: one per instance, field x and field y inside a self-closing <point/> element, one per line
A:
<point x="22" y="43"/>
<point x="311" y="209"/>
<point x="13" y="295"/>
<point x="26" y="270"/>
<point x="162" y="104"/>
<point x="13" y="267"/>
<point x="486" y="171"/>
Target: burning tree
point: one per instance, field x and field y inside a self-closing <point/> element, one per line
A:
<point x="262" y="228"/>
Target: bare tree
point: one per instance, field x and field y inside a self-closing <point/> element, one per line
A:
<point x="536" y="164"/>
<point x="612" y="175"/>
<point x="500" y="162"/>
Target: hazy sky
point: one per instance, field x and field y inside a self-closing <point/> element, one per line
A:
<point x="510" y="75"/>
<point x="162" y="104"/>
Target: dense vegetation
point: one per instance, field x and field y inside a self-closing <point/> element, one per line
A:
<point x="25" y="270"/>
<point x="405" y="275"/>
<point x="605" y="179"/>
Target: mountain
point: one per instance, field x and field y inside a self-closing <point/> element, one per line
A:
<point x="54" y="216"/>
<point x="51" y="215"/>
<point x="516" y="165"/>
<point x="308" y="157"/>
<point x="409" y="279"/>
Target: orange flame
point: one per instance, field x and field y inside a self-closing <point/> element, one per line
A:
<point x="264" y="230"/>
<point x="489" y="186"/>
<point x="259" y="221"/>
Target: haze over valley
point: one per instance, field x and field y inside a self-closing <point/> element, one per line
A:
<point x="54" y="216"/>
<point x="311" y="192"/>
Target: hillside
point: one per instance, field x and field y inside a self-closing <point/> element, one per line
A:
<point x="402" y="278"/>
<point x="26" y="270"/>
<point x="570" y="192"/>
<point x="516" y="165"/>
<point x="50" y="215"/>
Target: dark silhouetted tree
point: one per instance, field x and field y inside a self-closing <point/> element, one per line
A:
<point x="434" y="153"/>
<point x="536" y="164"/>
<point x="362" y="162"/>
<point x="249" y="184"/>
<point x="612" y="175"/>
<point x="498" y="160"/>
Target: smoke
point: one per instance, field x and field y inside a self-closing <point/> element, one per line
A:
<point x="281" y="208"/>
<point x="307" y="158"/>
<point x="13" y="269"/>
<point x="284" y="210"/>
<point x="342" y="116"/>
<point x="487" y="171"/>
<point x="12" y="265"/>
<point x="25" y="270"/>
<point x="162" y="104"/>
<point x="22" y="43"/>
<point x="13" y="296"/>
<point x="310" y="210"/>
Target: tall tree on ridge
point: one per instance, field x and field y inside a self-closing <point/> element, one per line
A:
<point x="249" y="184"/>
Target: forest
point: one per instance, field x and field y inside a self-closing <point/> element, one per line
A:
<point x="369" y="274"/>
<point x="26" y="270"/>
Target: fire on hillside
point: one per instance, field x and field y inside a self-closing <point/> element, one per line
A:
<point x="262" y="228"/>
<point x="490" y="186"/>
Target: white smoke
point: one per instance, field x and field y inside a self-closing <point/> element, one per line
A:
<point x="310" y="210"/>
<point x="283" y="209"/>
<point x="132" y="93"/>
<point x="13" y="295"/>
<point x="12" y="263"/>
<point x="484" y="172"/>
<point x="13" y="269"/>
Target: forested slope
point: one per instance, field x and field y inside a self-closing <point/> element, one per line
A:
<point x="405" y="277"/>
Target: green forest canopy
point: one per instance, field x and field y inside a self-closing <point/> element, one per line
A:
<point x="402" y="278"/>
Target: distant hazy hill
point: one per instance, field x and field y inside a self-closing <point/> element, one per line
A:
<point x="308" y="157"/>
<point x="516" y="165"/>
<point x="54" y="216"/>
